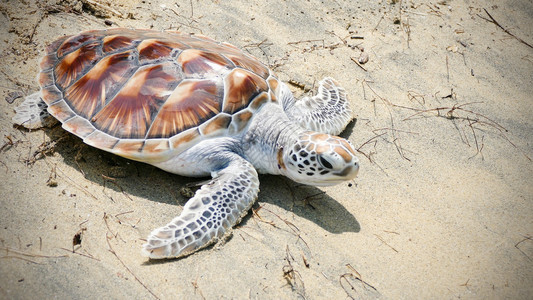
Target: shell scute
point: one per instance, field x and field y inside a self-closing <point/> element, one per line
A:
<point x="75" y="41"/>
<point x="51" y="94"/>
<point x="88" y="94"/>
<point x="61" y="111"/>
<point x="273" y="97"/>
<point x="199" y="63"/>
<point x="154" y="49"/>
<point x="160" y="35"/>
<point x="130" y="113"/>
<point x="114" y="43"/>
<point x="184" y="139"/>
<point x="79" y="126"/>
<point x="46" y="78"/>
<point x="222" y="48"/>
<point x="203" y="37"/>
<point x="273" y="83"/>
<point x="250" y="64"/>
<point x="52" y="48"/>
<point x="48" y="61"/>
<point x="128" y="148"/>
<point x="259" y="101"/>
<point x="156" y="146"/>
<point x="100" y="140"/>
<point x="216" y="124"/>
<point x="241" y="87"/>
<point x="227" y="47"/>
<point x="191" y="103"/>
<point x="73" y="64"/>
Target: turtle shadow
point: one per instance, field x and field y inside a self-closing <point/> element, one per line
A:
<point x="308" y="202"/>
<point x="120" y="177"/>
<point x="348" y="130"/>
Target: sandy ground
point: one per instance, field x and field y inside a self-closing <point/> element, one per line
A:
<point x="442" y="206"/>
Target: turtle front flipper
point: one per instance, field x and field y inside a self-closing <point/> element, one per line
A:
<point x="210" y="214"/>
<point x="328" y="111"/>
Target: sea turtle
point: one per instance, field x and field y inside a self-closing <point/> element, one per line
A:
<point x="196" y="107"/>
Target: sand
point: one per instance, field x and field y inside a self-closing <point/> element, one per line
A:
<point x="442" y="206"/>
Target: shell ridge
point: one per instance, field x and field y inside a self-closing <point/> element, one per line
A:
<point x="98" y="56"/>
<point x="98" y="131"/>
<point x="117" y="87"/>
<point x="230" y="61"/>
<point x="170" y="91"/>
<point x="147" y="144"/>
<point x="187" y="119"/>
<point x="105" y="89"/>
<point x="98" y="39"/>
<point x="149" y="130"/>
<point x="119" y="50"/>
<point x="116" y="90"/>
<point x="74" y="116"/>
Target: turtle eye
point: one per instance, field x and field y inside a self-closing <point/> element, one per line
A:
<point x="324" y="162"/>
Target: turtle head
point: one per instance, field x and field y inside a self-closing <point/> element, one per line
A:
<point x="319" y="159"/>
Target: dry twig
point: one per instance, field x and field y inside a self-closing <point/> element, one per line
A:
<point x="357" y="63"/>
<point x="292" y="276"/>
<point x="356" y="276"/>
<point x="492" y="20"/>
<point x="526" y="238"/>
<point x="113" y="181"/>
<point x="294" y="229"/>
<point x="11" y="250"/>
<point x="74" y="252"/>
<point x="381" y="239"/>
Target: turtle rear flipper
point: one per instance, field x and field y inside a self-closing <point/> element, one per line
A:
<point x="210" y="214"/>
<point x="32" y="113"/>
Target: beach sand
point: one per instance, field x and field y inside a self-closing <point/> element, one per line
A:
<point x="442" y="207"/>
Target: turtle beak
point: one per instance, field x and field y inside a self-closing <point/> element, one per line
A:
<point x="350" y="172"/>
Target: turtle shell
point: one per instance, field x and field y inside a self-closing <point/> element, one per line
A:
<point x="149" y="95"/>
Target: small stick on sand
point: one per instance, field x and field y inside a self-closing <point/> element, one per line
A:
<point x="526" y="238"/>
<point x="358" y="64"/>
<point x="21" y="258"/>
<point x="197" y="288"/>
<point x="86" y="255"/>
<point x="492" y="20"/>
<point x="113" y="181"/>
<point x="356" y="276"/>
<point x="381" y="239"/>
<point x="292" y="276"/>
<point x="11" y="250"/>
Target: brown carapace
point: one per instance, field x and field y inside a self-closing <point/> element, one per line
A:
<point x="140" y="92"/>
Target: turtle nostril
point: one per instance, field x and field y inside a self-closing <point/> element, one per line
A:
<point x="356" y="166"/>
